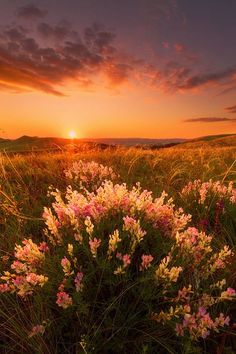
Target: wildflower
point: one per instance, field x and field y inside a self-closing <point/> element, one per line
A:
<point x="126" y="260"/>
<point x="218" y="261"/>
<point x="179" y="329"/>
<point x="78" y="281"/>
<point x="5" y="258"/>
<point x="184" y="294"/>
<point x="90" y="175"/>
<point x="119" y="270"/>
<point x="78" y="238"/>
<point x="66" y="265"/>
<point x="202" y="191"/>
<point x="70" y="249"/>
<point x="38" y="329"/>
<point x="114" y="239"/>
<point x="19" y="267"/>
<point x="133" y="226"/>
<point x="43" y="247"/>
<point x="89" y="225"/>
<point x="166" y="274"/>
<point x="228" y="294"/>
<point x="94" y="244"/>
<point x="5" y="288"/>
<point x="63" y="299"/>
<point x="30" y="253"/>
<point x="146" y="261"/>
<point x="52" y="225"/>
<point x="221" y="321"/>
<point x="35" y="279"/>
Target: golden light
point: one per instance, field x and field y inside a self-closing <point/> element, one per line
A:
<point x="72" y="134"/>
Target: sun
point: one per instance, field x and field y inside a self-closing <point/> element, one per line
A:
<point x="72" y="134"/>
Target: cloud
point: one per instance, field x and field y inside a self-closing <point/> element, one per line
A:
<point x="27" y="64"/>
<point x="179" y="47"/>
<point x="231" y="109"/>
<point x="209" y="120"/>
<point x="30" y="12"/>
<point x="58" y="32"/>
<point x="178" y="76"/>
<point x="207" y="79"/>
<point x="48" y="56"/>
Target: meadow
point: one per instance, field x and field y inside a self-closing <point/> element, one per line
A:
<point x="134" y="257"/>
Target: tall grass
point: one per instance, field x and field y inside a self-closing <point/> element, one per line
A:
<point x="24" y="182"/>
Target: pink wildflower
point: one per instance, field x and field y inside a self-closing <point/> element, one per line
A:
<point x="119" y="255"/>
<point x="126" y="259"/>
<point x="4" y="288"/>
<point x="179" y="329"/>
<point x="19" y="267"/>
<point x="43" y="247"/>
<point x="19" y="280"/>
<point x="94" y="244"/>
<point x="63" y="299"/>
<point x="231" y="292"/>
<point x="146" y="261"/>
<point x="78" y="281"/>
<point x="38" y="329"/>
<point x="201" y="311"/>
<point x="65" y="263"/>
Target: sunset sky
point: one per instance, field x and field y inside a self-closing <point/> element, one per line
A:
<point x="117" y="68"/>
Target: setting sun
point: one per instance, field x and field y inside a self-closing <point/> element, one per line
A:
<point x="72" y="134"/>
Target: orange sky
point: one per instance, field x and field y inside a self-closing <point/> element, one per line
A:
<point x="144" y="71"/>
<point x="130" y="113"/>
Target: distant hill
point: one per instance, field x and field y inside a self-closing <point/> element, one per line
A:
<point x="26" y="144"/>
<point x="222" y="140"/>
<point x="137" y="141"/>
<point x="33" y="143"/>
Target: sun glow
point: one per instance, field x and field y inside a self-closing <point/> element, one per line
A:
<point x="72" y="134"/>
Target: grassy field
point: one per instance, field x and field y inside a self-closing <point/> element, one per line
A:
<point x="131" y="323"/>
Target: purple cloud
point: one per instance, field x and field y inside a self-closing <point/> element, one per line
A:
<point x="209" y="120"/>
<point x="205" y="79"/>
<point x="27" y="64"/>
<point x="30" y="12"/>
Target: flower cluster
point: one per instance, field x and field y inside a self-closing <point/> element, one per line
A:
<point x="28" y="260"/>
<point x="165" y="274"/>
<point x="200" y="324"/>
<point x="110" y="199"/>
<point x="204" y="190"/>
<point x="90" y="175"/>
<point x="109" y="243"/>
<point x="189" y="309"/>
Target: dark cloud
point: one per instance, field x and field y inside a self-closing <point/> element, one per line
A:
<point x="30" y="12"/>
<point x="58" y="32"/>
<point x="171" y="77"/>
<point x="209" y="120"/>
<point x="177" y="76"/>
<point x="48" y="56"/>
<point x="231" y="109"/>
<point x="205" y="79"/>
<point x="26" y="64"/>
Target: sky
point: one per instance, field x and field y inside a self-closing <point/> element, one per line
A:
<point x="117" y="68"/>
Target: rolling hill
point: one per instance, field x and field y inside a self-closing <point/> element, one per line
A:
<point x="223" y="140"/>
<point x="26" y="144"/>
